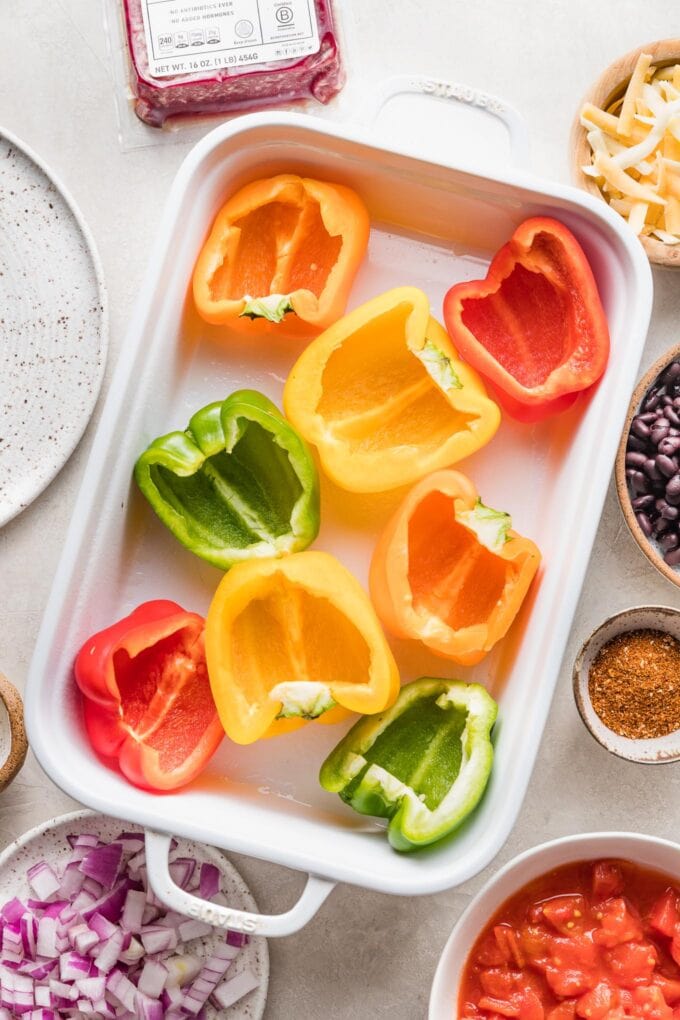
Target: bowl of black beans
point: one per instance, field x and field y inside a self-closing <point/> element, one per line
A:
<point x="648" y="465"/>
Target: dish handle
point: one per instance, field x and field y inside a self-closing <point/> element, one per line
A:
<point x="158" y="846"/>
<point x="455" y="92"/>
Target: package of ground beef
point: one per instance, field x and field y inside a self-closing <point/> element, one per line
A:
<point x="192" y="57"/>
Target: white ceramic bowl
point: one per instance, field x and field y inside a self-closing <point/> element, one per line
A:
<point x="650" y="852"/>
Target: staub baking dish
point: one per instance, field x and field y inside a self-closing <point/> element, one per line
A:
<point x="432" y="225"/>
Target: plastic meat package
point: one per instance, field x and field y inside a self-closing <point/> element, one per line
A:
<point x="193" y="57"/>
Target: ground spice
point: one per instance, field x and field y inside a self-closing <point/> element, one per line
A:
<point x="634" y="684"/>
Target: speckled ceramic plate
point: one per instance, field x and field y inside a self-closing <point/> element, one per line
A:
<point x="48" y="842"/>
<point x="53" y="326"/>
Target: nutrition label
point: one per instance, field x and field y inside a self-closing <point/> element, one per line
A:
<point x="186" y="36"/>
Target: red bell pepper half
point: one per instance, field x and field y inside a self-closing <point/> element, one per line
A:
<point x="535" y="327"/>
<point x="147" y="696"/>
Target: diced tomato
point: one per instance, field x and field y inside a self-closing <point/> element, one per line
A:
<point x="565" y="913"/>
<point x="596" y="1004"/>
<point x="508" y="943"/>
<point x="499" y="982"/>
<point x="664" y="916"/>
<point x="500" y="1006"/>
<point x="536" y="945"/>
<point x="531" y="1007"/>
<point x="675" y="948"/>
<point x="607" y="880"/>
<point x="652" y="1003"/>
<point x="670" y="988"/>
<point x="569" y="981"/>
<point x="565" y="1011"/>
<point x="618" y="923"/>
<point x="632" y="963"/>
<point x="488" y="952"/>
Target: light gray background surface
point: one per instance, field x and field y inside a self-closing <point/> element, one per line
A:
<point x="365" y="955"/>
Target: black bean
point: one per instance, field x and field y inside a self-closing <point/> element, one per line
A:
<point x="672" y="558"/>
<point x="642" y="502"/>
<point x="669" y="446"/>
<point x="648" y="417"/>
<point x="640" y="483"/>
<point x="666" y="400"/>
<point x="636" y="460"/>
<point x="671" y="513"/>
<point x="672" y="417"/>
<point x="673" y="487"/>
<point x="645" y="523"/>
<point x="662" y="524"/>
<point x="666" y="465"/>
<point x="640" y="428"/>
<point x="652" y="402"/>
<point x="636" y="444"/>
<point x="651" y="470"/>
<point x="672" y="373"/>
<point x="670" y="541"/>
<point x="673" y="431"/>
<point x="658" y="433"/>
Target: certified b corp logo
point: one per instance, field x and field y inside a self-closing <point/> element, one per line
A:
<point x="284" y="15"/>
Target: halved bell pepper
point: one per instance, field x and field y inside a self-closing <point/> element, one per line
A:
<point x="535" y="327"/>
<point x="147" y="696"/>
<point x="424" y="763"/>
<point x="288" y="640"/>
<point x="281" y="257"/>
<point x="385" y="398"/>
<point x="449" y="571"/>
<point x="238" y="483"/>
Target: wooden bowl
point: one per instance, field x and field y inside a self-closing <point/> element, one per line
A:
<point x="647" y="545"/>
<point x="16" y="744"/>
<point x="609" y="87"/>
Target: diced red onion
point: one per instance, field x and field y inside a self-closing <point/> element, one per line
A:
<point x="108" y="949"/>
<point x="230" y="991"/>
<point x="133" y="911"/>
<point x="209" y="881"/>
<point x="103" y="864"/>
<point x="237" y="938"/>
<point x="193" y="929"/>
<point x="42" y="880"/>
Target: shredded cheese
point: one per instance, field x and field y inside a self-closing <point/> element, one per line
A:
<point x="635" y="150"/>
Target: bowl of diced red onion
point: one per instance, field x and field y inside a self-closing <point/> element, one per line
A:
<point x="84" y="936"/>
<point x="648" y="465"/>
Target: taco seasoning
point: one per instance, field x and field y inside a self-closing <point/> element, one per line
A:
<point x="634" y="684"/>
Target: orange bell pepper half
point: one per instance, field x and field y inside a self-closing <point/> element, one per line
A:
<point x="289" y="639"/>
<point x="449" y="571"/>
<point x="535" y="328"/>
<point x="385" y="398"/>
<point x="281" y="257"/>
<point x="147" y="696"/>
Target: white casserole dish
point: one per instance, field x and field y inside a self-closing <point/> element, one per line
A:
<point x="647" y="851"/>
<point x="433" y="224"/>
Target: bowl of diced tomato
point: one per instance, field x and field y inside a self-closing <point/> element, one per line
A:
<point x="585" y="926"/>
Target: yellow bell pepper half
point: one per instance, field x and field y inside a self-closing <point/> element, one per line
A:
<point x="385" y="398"/>
<point x="288" y="640"/>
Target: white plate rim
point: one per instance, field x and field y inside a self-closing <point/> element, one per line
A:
<point x="103" y="332"/>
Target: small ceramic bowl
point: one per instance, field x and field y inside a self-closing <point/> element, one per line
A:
<point x="657" y="751"/>
<point x="648" y="546"/>
<point x="647" y="851"/>
<point x="13" y="742"/>
<point x="609" y="87"/>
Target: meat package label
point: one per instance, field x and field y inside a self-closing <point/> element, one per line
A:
<point x="189" y="36"/>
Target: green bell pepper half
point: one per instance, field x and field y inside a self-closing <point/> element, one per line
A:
<point x="238" y="483"/>
<point x="424" y="763"/>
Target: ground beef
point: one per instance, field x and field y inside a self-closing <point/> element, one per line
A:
<point x="319" y="75"/>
